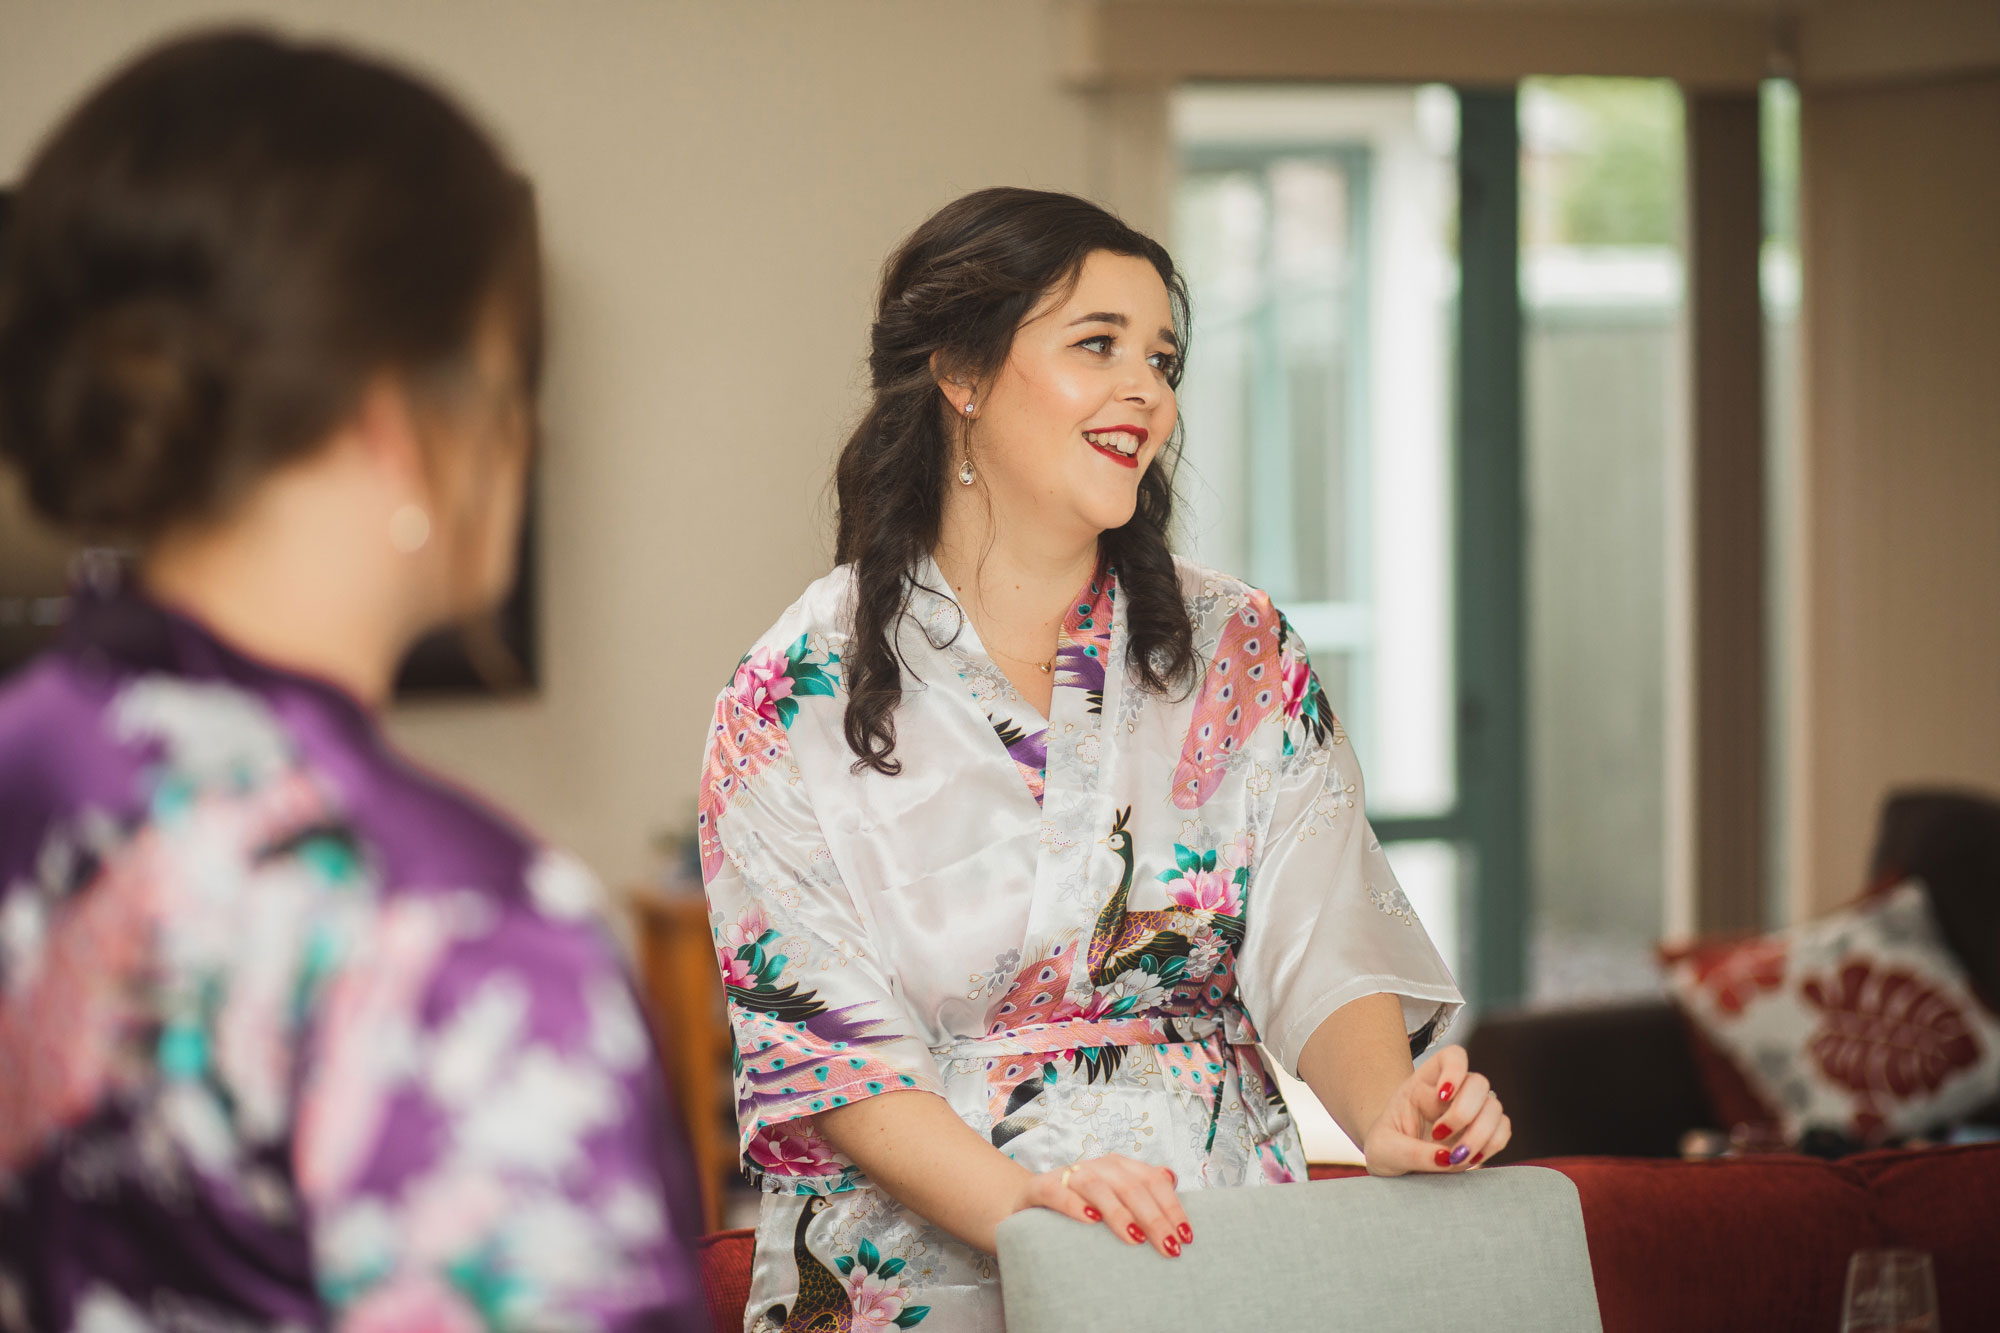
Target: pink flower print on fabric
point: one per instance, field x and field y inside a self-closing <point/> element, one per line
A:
<point x="735" y="972"/>
<point x="748" y="928"/>
<point x="1207" y="891"/>
<point x="75" y="1031"/>
<point x="762" y="680"/>
<point x="876" y="1300"/>
<point x="417" y="1303"/>
<point x="1296" y="671"/>
<point x="449" y="1215"/>
<point x="792" y="1149"/>
<point x="374" y="998"/>
<point x="1236" y="854"/>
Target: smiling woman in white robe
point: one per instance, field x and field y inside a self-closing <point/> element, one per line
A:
<point x="1065" y="924"/>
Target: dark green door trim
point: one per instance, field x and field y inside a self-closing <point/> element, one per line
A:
<point x="1491" y="599"/>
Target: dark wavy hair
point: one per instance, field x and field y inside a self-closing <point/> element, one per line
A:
<point x="953" y="295"/>
<point x="211" y="255"/>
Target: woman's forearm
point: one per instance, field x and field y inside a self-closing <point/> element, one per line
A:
<point x="1356" y="1060"/>
<point x="915" y="1147"/>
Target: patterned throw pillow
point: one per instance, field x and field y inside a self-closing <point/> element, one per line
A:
<point x="1862" y="1023"/>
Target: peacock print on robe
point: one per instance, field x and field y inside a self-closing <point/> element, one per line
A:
<point x="1085" y="931"/>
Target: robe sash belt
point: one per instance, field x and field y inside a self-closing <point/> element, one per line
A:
<point x="1068" y="1034"/>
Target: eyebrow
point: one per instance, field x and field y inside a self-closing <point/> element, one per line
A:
<point x="1113" y="317"/>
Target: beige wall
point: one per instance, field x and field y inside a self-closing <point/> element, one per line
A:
<point x="1897" y="676"/>
<point x="720" y="183"/>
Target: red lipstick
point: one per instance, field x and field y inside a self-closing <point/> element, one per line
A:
<point x="1139" y="435"/>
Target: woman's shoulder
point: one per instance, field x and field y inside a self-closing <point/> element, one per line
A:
<point x="825" y="610"/>
<point x="422" y="831"/>
<point x="1214" y="597"/>
<point x="171" y="771"/>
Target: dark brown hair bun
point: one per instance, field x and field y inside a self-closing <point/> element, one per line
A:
<point x="209" y="258"/>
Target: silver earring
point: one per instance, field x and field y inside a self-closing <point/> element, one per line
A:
<point x="971" y="407"/>
<point x="965" y="474"/>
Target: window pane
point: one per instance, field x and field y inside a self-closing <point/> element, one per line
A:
<point x="1781" y="424"/>
<point x="1315" y="228"/>
<point x="1601" y="287"/>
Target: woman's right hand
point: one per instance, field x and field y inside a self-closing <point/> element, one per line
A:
<point x="1135" y="1199"/>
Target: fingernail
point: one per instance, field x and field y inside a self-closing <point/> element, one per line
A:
<point x="1442" y="1132"/>
<point x="1092" y="1213"/>
<point x="1187" y="1232"/>
<point x="1138" y="1236"/>
<point x="1477" y="1160"/>
<point x="1173" y="1247"/>
<point x="1444" y="1092"/>
<point x="1172" y="1179"/>
<point x="1443" y="1157"/>
<point x="1459" y="1154"/>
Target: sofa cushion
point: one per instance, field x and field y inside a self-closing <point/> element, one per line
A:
<point x="1635" y="1094"/>
<point x="1749" y="1244"/>
<point x="1946" y="1202"/>
<point x="1501" y="1250"/>
<point x="1951" y="841"/>
<point x="725" y="1276"/>
<point x="1862" y="1023"/>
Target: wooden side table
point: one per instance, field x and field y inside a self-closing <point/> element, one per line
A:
<point x="682" y="988"/>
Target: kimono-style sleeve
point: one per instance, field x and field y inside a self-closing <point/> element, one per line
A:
<point x="1328" y="922"/>
<point x="483" y="1135"/>
<point x="812" y="1005"/>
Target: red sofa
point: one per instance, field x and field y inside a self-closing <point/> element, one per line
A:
<point x="1757" y="1244"/>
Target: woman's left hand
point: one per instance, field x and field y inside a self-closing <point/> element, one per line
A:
<point x="1443" y="1118"/>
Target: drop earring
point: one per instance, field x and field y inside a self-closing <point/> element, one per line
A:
<point x="971" y="408"/>
<point x="966" y="476"/>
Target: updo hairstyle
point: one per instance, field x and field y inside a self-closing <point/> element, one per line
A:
<point x="212" y="256"/>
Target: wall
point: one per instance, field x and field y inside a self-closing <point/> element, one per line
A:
<point x="720" y="184"/>
<point x="1897" y="564"/>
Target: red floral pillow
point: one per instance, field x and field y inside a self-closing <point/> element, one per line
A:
<point x="1863" y="1022"/>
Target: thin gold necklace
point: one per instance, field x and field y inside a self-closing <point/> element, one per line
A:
<point x="1043" y="667"/>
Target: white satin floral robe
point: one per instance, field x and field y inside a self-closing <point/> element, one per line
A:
<point x="1075" y="930"/>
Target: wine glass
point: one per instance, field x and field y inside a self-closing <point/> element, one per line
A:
<point x="1890" y="1291"/>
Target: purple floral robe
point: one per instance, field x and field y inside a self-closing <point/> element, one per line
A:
<point x="292" y="1034"/>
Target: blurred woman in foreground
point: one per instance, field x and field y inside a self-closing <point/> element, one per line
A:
<point x="290" y="1032"/>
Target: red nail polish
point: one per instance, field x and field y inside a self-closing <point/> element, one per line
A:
<point x="1172" y="1179"/>
<point x="1480" y="1158"/>
<point x="1173" y="1247"/>
<point x="1442" y="1132"/>
<point x="1132" y="1230"/>
<point x="1187" y="1232"/>
<point x="1444" y="1093"/>
<point x="1443" y="1157"/>
<point x="1092" y="1213"/>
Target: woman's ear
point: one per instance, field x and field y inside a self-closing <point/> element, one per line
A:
<point x="384" y="428"/>
<point x="959" y="390"/>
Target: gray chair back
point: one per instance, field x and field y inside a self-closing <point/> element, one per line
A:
<point x="1499" y="1250"/>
